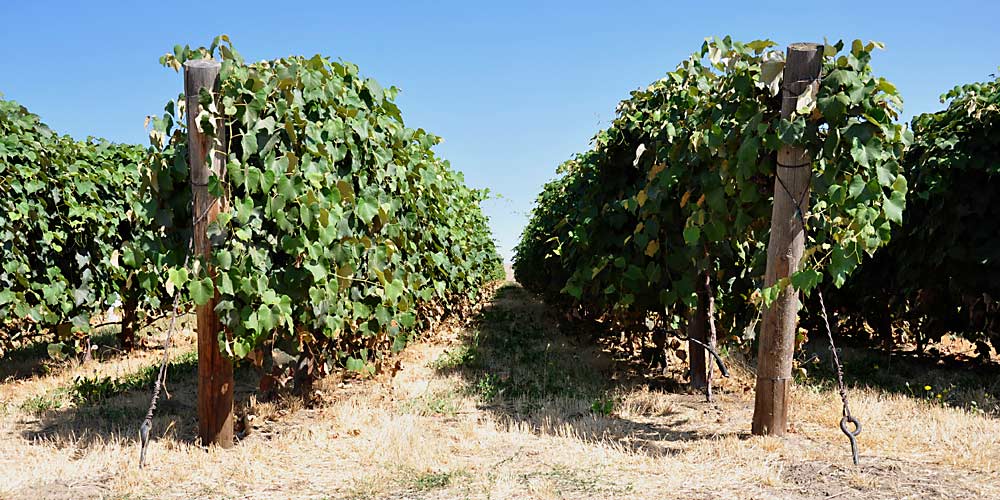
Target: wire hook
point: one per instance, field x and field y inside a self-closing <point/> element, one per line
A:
<point x="851" y="435"/>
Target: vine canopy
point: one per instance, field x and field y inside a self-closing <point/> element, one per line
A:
<point x="65" y="215"/>
<point x="345" y="232"/>
<point x="681" y="184"/>
<point x="939" y="273"/>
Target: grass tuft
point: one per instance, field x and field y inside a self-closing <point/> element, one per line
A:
<point x="434" y="480"/>
<point x="37" y="405"/>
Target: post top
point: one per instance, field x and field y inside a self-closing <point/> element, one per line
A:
<point x="804" y="46"/>
<point x="202" y="63"/>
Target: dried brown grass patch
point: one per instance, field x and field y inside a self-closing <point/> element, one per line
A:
<point x="430" y="431"/>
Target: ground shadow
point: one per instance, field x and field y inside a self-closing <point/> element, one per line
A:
<point x="526" y="371"/>
<point x="25" y="361"/>
<point x="937" y="378"/>
<point x="34" y="359"/>
<point x="104" y="408"/>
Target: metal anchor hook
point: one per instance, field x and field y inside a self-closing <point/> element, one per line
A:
<point x="851" y="435"/>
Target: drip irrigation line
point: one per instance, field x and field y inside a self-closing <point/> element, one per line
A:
<point x="715" y="355"/>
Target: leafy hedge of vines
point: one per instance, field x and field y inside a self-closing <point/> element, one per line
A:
<point x="65" y="216"/>
<point x="940" y="273"/>
<point x="345" y="232"/>
<point x="681" y="185"/>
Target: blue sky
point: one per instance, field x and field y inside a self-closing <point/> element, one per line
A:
<point x="514" y="88"/>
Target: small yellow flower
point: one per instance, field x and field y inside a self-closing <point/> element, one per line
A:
<point x="927" y="387"/>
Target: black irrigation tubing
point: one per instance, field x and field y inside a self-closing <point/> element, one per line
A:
<point x="112" y="323"/>
<point x="718" y="359"/>
<point x="847" y="417"/>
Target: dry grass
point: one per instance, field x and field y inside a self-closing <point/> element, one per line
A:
<point x="505" y="408"/>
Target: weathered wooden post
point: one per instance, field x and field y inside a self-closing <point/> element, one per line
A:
<point x="215" y="372"/>
<point x="784" y="253"/>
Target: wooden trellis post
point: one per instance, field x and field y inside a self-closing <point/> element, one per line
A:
<point x="215" y="372"/>
<point x="784" y="253"/>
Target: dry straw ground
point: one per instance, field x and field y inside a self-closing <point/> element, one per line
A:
<point x="506" y="406"/>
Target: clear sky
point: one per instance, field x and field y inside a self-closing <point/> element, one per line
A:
<point x="514" y="87"/>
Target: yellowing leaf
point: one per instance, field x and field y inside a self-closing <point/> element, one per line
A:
<point x="857" y="46"/>
<point x="874" y="44"/>
<point x="886" y="86"/>
<point x="655" y="170"/>
<point x="652" y="248"/>
<point x="685" y="198"/>
<point x="346" y="191"/>
<point x="642" y="197"/>
<point x="829" y="50"/>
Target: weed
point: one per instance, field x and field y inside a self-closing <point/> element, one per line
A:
<point x="581" y="481"/>
<point x="464" y="356"/>
<point x="603" y="406"/>
<point x="488" y="387"/>
<point x="510" y="355"/>
<point x="42" y="403"/>
<point x="433" y="480"/>
<point x="442" y="402"/>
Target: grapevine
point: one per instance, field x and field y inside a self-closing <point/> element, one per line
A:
<point x="681" y="183"/>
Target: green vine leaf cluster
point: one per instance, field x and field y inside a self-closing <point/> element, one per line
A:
<point x="344" y="235"/>
<point x="66" y="216"/>
<point x="939" y="273"/>
<point x="681" y="185"/>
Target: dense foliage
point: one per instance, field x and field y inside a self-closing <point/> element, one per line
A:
<point x="680" y="187"/>
<point x="65" y="216"/>
<point x="344" y="232"/>
<point x="940" y="273"/>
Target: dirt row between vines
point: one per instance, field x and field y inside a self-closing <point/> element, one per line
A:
<point x="503" y="407"/>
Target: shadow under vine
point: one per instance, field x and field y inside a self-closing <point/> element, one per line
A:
<point x="525" y="371"/>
